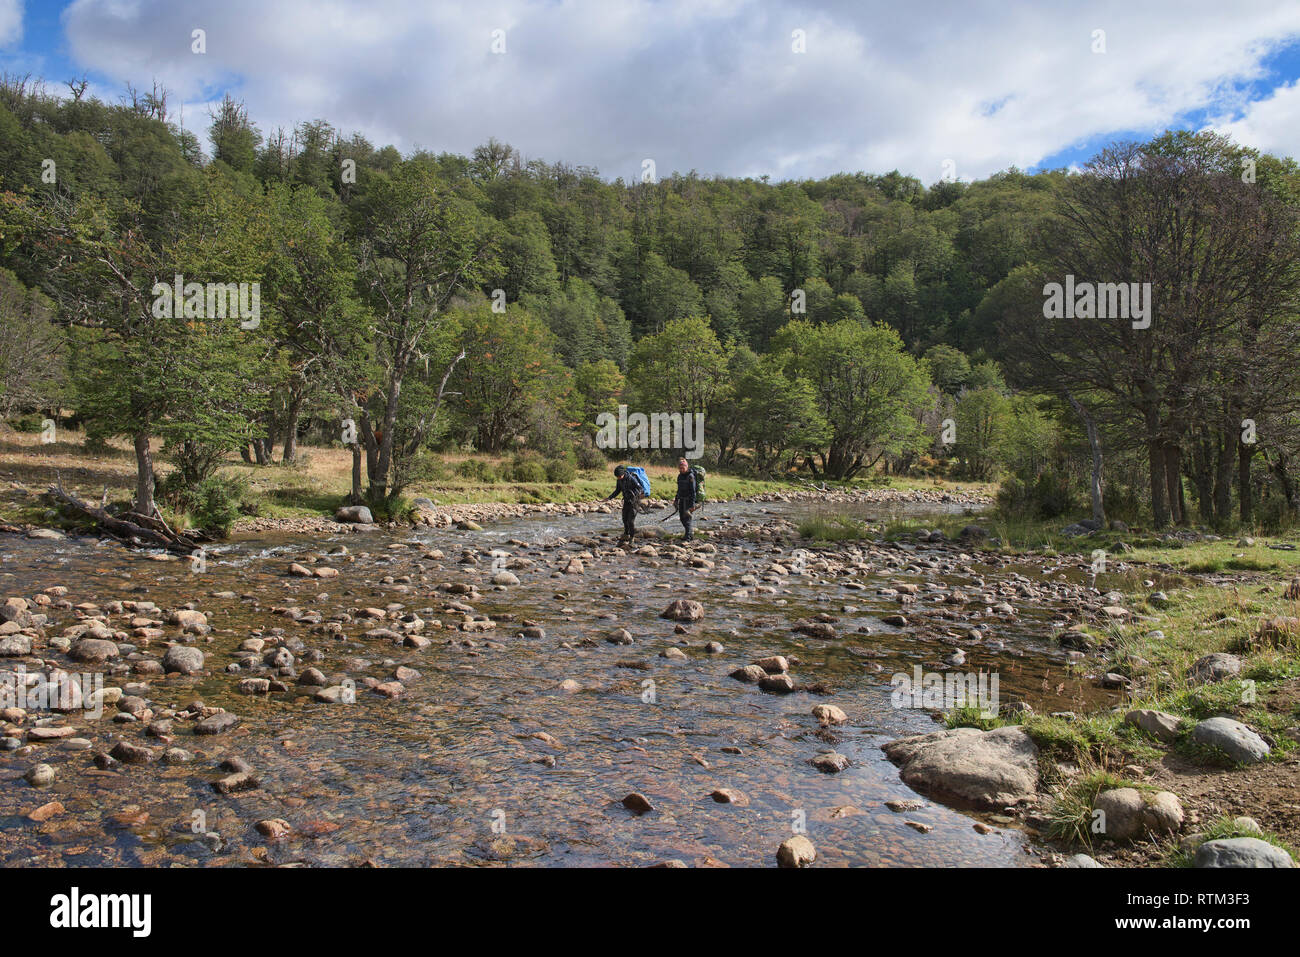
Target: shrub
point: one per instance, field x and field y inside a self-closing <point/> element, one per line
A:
<point x="526" y="468"/>
<point x="563" y="469"/>
<point x="213" y="504"/>
<point x="590" y="457"/>
<point x="477" y="470"/>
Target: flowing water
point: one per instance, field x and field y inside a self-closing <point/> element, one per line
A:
<point x="450" y="772"/>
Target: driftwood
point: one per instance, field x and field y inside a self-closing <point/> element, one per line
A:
<point x="155" y="533"/>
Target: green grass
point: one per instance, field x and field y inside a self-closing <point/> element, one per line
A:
<point x="1071" y="812"/>
<point x="829" y="527"/>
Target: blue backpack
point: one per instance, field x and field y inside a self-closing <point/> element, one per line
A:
<point x="638" y="474"/>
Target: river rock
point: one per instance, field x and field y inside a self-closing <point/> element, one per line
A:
<point x="1215" y="667"/>
<point x="827" y="714"/>
<point x="15" y="646"/>
<point x="1156" y="723"/>
<point x="796" y="851"/>
<point x="779" y="684"/>
<point x="683" y="609"/>
<point x="39" y="776"/>
<point x="1241" y="852"/>
<point x="637" y="803"/>
<point x="750" y="674"/>
<point x="986" y="769"/>
<point x="182" y="659"/>
<point x="830" y="762"/>
<point x="1130" y="814"/>
<point x="93" y="650"/>
<point x="235" y="783"/>
<point x="354" y="515"/>
<point x="218" y="723"/>
<point x="189" y="620"/>
<point x="1232" y="738"/>
<point x="129" y="753"/>
<point x="1080" y="860"/>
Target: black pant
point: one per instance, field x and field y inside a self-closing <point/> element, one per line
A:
<point x="684" y="512"/>
<point x="629" y="520"/>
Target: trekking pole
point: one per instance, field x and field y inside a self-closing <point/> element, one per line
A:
<point x="671" y="514"/>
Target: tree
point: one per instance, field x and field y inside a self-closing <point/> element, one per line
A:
<point x="319" y="326"/>
<point x="421" y="242"/>
<point x="868" y="389"/>
<point x="33" y="350"/>
<point x="1174" y="213"/>
<point x="512" y="374"/>
<point x="681" y="369"/>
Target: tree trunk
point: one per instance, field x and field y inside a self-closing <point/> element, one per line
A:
<point x="1174" y="483"/>
<point x="291" y="427"/>
<point x="1094" y="444"/>
<point x="1156" y="467"/>
<point x="355" y="498"/>
<point x="144" y="477"/>
<point x="1245" y="494"/>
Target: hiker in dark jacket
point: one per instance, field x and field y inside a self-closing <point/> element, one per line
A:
<point x="631" y="491"/>
<point x="685" y="500"/>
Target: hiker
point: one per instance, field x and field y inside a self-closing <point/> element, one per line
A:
<point x="631" y="491"/>
<point x="685" y="500"/>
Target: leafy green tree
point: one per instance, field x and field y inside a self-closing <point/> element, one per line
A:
<point x="511" y="375"/>
<point x="868" y="388"/>
<point x="681" y="369"/>
<point x="422" y="241"/>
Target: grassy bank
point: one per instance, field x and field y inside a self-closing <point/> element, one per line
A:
<point x="313" y="487"/>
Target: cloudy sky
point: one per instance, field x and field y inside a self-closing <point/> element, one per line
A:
<point x="717" y="86"/>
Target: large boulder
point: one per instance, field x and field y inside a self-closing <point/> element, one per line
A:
<point x="93" y="651"/>
<point x="1232" y="738"/>
<point x="983" y="769"/>
<point x="1216" y="667"/>
<point x="1127" y="814"/>
<point x="182" y="659"/>
<point x="354" y="515"/>
<point x="1242" y="852"/>
<point x="1158" y="724"/>
<point x="683" y="609"/>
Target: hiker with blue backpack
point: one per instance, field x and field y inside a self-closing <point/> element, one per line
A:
<point x="633" y="485"/>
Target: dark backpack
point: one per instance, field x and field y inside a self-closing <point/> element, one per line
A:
<point x="698" y="472"/>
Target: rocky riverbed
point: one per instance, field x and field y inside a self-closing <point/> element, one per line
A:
<point x="525" y="691"/>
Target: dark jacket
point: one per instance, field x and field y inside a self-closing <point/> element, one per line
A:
<point x="685" y="490"/>
<point x="629" y="487"/>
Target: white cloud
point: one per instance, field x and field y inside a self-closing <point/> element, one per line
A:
<point x="11" y="22"/>
<point x="1271" y="124"/>
<point x="712" y="86"/>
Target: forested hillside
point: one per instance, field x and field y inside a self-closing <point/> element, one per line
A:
<point x="499" y="303"/>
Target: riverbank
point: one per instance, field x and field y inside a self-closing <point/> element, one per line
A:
<point x="302" y="499"/>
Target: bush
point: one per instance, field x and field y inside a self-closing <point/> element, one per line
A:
<point x="526" y="468"/>
<point x="477" y="470"/>
<point x="1050" y="495"/>
<point x="563" y="469"/>
<point x="213" y="504"/>
<point x="590" y="457"/>
<point x="425" y="466"/>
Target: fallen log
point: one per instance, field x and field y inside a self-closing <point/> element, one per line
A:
<point x="124" y="531"/>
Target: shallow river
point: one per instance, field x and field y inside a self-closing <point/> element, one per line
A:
<point x="449" y="772"/>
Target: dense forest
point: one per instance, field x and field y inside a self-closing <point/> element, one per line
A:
<point x="834" y="329"/>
